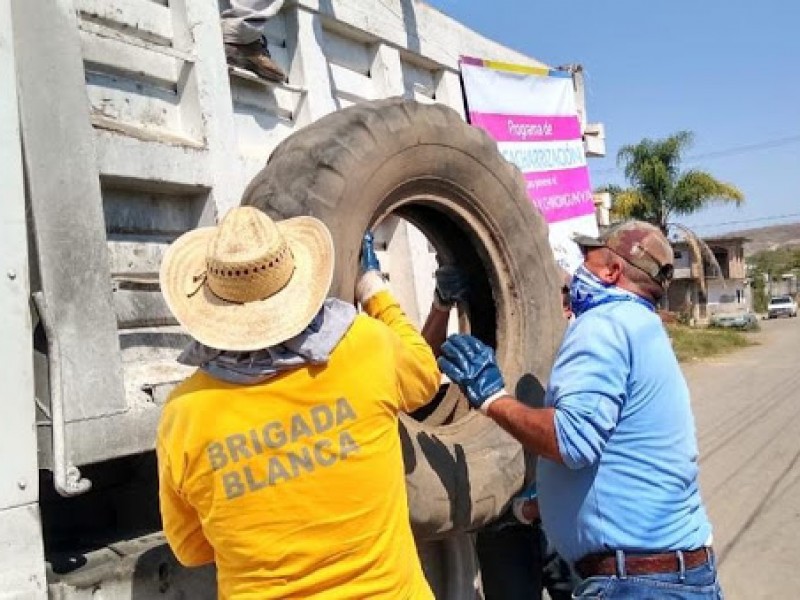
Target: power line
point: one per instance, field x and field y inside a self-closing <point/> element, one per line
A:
<point x="744" y="221"/>
<point x="749" y="148"/>
<point x="765" y="145"/>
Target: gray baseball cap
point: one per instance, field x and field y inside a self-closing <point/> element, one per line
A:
<point x="638" y="243"/>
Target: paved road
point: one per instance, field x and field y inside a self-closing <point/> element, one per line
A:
<point x="747" y="408"/>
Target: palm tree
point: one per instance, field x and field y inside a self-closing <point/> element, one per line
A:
<point x="660" y="189"/>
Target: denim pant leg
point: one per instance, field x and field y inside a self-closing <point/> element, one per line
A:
<point x="511" y="563"/>
<point x="700" y="583"/>
<point x="243" y="22"/>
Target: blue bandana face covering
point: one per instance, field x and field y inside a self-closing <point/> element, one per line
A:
<point x="587" y="290"/>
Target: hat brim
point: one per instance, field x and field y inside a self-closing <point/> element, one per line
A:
<point x="253" y="325"/>
<point x="586" y="241"/>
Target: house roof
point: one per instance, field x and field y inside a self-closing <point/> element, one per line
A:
<point x="726" y="238"/>
<point x="722" y="239"/>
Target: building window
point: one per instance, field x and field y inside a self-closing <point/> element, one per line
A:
<point x="678" y="254"/>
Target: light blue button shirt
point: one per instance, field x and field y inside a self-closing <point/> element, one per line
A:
<point x="627" y="437"/>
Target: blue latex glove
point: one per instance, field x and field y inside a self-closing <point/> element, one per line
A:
<point x="452" y="285"/>
<point x="519" y="513"/>
<point x="370" y="280"/>
<point x="369" y="260"/>
<point x="472" y="365"/>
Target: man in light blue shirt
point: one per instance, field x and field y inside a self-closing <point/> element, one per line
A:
<point x="617" y="476"/>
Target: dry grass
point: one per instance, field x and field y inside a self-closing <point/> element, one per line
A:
<point x="692" y="343"/>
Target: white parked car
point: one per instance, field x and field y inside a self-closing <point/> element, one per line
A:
<point x="781" y="306"/>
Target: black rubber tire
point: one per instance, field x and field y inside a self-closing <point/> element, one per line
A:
<point x="354" y="167"/>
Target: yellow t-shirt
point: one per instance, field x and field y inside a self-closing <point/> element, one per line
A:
<point x="295" y="487"/>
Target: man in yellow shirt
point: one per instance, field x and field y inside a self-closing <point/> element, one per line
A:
<point x="279" y="458"/>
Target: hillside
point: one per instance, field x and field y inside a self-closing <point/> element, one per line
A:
<point x="769" y="238"/>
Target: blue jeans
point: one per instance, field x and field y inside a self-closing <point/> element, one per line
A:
<point x="689" y="584"/>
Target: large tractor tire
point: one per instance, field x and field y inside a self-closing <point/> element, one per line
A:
<point x="352" y="169"/>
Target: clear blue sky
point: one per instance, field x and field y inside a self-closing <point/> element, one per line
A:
<point x="728" y="70"/>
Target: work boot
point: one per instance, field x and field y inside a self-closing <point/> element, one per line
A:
<point x="255" y="58"/>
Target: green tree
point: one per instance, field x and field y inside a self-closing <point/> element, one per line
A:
<point x="660" y="188"/>
<point x="771" y="265"/>
<point x="760" y="296"/>
<point x="776" y="262"/>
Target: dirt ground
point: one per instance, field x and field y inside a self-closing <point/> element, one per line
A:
<point x="747" y="410"/>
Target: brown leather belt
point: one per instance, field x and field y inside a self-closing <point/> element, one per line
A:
<point x="641" y="564"/>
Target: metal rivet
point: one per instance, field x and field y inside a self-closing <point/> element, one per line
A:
<point x="22" y="484"/>
<point x="12" y="274"/>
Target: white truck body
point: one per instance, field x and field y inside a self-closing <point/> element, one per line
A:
<point x="121" y="127"/>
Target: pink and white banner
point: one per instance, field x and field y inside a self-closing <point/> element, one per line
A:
<point x="531" y="113"/>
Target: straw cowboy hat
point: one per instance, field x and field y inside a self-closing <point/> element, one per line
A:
<point x="250" y="282"/>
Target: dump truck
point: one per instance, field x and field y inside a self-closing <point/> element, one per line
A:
<point x="121" y="127"/>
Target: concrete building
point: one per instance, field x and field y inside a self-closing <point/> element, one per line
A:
<point x="698" y="289"/>
<point x="785" y="284"/>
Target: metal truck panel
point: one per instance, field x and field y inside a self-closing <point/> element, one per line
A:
<point x="135" y="130"/>
<point x="66" y="204"/>
<point x="163" y="137"/>
<point x="22" y="573"/>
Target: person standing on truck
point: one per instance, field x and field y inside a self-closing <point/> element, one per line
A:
<point x="618" y="475"/>
<point x="516" y="560"/>
<point x="243" y="35"/>
<point x="279" y="458"/>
